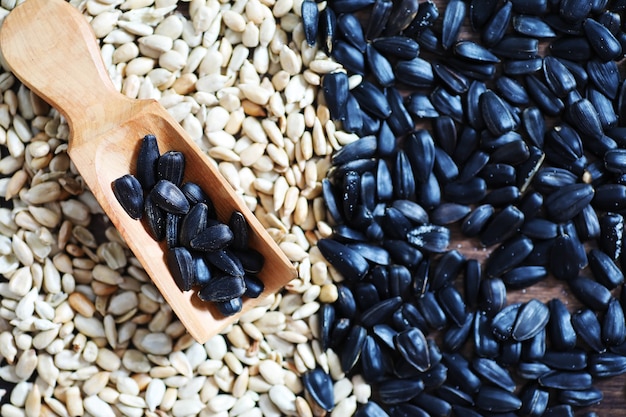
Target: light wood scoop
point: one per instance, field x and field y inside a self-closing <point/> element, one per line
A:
<point x="51" y="48"/>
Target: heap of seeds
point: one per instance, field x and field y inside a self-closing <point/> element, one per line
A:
<point x="84" y="332"/>
<point x="521" y="153"/>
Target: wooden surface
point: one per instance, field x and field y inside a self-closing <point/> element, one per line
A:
<point x="50" y="46"/>
<point x="614" y="389"/>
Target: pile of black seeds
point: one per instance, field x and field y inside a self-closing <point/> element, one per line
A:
<point x="525" y="152"/>
<point x="202" y="252"/>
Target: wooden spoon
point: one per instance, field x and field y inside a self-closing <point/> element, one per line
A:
<point x="51" y="48"/>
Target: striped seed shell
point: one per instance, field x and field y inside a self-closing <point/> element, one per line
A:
<point x="602" y="40"/>
<point x="401" y="47"/>
<point x="310" y="20"/>
<point x="532" y="26"/>
<point x="380" y="67"/>
<point x="613" y="327"/>
<point x="223" y="288"/>
<point x="532" y="318"/>
<point x="493" y="31"/>
<point x="225" y="261"/>
<point x="229" y="307"/>
<point x="587" y="327"/>
<point x="180" y="264"/>
<point x="604" y="365"/>
<point x="496" y="400"/>
<point x="155" y="219"/>
<point x="335" y="88"/>
<point x="378" y="18"/>
<point x="401" y="16"/>
<point x="319" y="389"/>
<point x="193" y="222"/>
<point x="604" y="269"/>
<point x="496" y="114"/>
<point x="494" y="373"/>
<point x="171" y="167"/>
<point x="169" y="197"/>
<point x="147" y="161"/>
<point x="372" y="99"/>
<point x="605" y="76"/>
<point x="560" y="80"/>
<point x="412" y="346"/>
<point x="348" y="262"/>
<point x="508" y="255"/>
<point x="580" y="398"/>
<point x="562" y="205"/>
<point x="129" y="194"/>
<point x="452" y="20"/>
<point x="212" y="238"/>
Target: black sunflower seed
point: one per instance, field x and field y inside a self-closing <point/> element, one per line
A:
<point x="508" y="255"/>
<point x="503" y="322"/>
<point x="560" y="80"/>
<point x="602" y="40"/>
<point x="452" y="20"/>
<point x="401" y="16"/>
<point x="167" y="196"/>
<point x="412" y="346"/>
<point x="587" y="327"/>
<point x="493" y="31"/>
<point x="604" y="365"/>
<point x="335" y="88"/>
<point x="496" y="114"/>
<point x="485" y="343"/>
<point x="534" y="401"/>
<point x="254" y="286"/>
<point x="226" y="261"/>
<point x="532" y="26"/>
<point x="310" y="20"/>
<point x="416" y="72"/>
<point x="211" y="238"/>
<point x="394" y="391"/>
<point x="547" y="101"/>
<point x="147" y="161"/>
<point x="496" y="400"/>
<point x="180" y="263"/>
<point x="171" y="167"/>
<point x="605" y="76"/>
<point x="580" y="398"/>
<point x="502" y="226"/>
<point x="492" y="296"/>
<point x="223" y="288"/>
<point x="193" y="223"/>
<point x="348" y="262"/>
<point x="155" y="219"/>
<point x="129" y="194"/>
<point x="532" y="318"/>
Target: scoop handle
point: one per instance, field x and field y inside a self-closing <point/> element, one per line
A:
<point x="52" y="49"/>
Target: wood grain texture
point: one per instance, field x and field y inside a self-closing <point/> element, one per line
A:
<point x="50" y="46"/>
<point x="614" y="389"/>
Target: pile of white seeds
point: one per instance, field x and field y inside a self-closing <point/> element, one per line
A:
<point x="83" y="331"/>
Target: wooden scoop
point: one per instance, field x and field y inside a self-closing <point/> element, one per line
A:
<point x="51" y="48"/>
